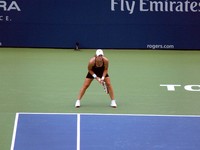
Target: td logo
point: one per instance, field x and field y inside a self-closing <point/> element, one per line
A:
<point x="173" y="87"/>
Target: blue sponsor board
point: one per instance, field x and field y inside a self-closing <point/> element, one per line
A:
<point x="153" y="24"/>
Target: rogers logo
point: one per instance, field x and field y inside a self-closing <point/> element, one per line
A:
<point x="9" y="6"/>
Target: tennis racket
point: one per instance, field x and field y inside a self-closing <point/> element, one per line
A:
<point x="105" y="87"/>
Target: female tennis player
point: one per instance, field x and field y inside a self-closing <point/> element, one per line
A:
<point x="98" y="70"/>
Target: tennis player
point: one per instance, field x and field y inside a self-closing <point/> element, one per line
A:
<point x="98" y="70"/>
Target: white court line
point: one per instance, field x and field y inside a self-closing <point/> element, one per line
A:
<point x="140" y="115"/>
<point x="78" y="132"/>
<point x="144" y="115"/>
<point x="42" y="113"/>
<point x="14" y="131"/>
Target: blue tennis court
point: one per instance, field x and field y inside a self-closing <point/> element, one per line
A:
<point x="105" y="132"/>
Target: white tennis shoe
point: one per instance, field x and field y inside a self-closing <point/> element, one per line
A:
<point x="113" y="104"/>
<point x="78" y="104"/>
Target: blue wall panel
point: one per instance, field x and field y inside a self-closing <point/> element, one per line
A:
<point x="171" y="24"/>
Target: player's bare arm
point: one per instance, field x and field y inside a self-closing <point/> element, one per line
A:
<point x="90" y="65"/>
<point x="106" y="64"/>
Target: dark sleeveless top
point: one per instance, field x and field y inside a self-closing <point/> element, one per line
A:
<point x="97" y="70"/>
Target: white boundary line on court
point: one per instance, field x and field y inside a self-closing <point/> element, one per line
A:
<point x="14" y="131"/>
<point x="78" y="132"/>
<point x="140" y="115"/>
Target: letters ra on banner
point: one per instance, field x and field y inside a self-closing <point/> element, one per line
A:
<point x="6" y="8"/>
<point x="155" y="6"/>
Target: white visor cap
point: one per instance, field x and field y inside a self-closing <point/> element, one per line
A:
<point x="99" y="52"/>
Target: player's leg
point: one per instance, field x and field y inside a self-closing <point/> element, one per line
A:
<point x="86" y="84"/>
<point x="111" y="92"/>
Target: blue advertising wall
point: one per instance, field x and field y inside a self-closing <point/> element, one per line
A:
<point x="154" y="24"/>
